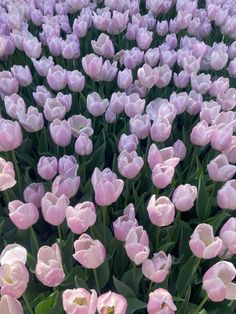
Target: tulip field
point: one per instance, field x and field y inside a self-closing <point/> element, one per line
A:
<point x="117" y="156"/>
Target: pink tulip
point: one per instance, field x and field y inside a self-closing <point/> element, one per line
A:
<point x="22" y="74"/>
<point x="128" y="143"/>
<point x="163" y="156"/>
<point x="41" y="95"/>
<point x="47" y="167"/>
<point x="88" y="252"/>
<point x="217" y="282"/>
<point x="103" y="46"/>
<point x="180" y="101"/>
<point x="8" y="84"/>
<point x="230" y="152"/>
<point x="140" y="125"/>
<point x="147" y="76"/>
<point x="201" y="83"/>
<point x="96" y="105"/>
<point x="49" y="268"/>
<point x="67" y="186"/>
<point x="33" y="193"/>
<point x="228" y="236"/>
<point x="14" y="105"/>
<point x="209" y="111"/>
<point x="164" y="75"/>
<point x="54" y="208"/>
<point x="181" y="80"/>
<point x="92" y="65"/>
<point x="77" y="300"/>
<point x="13" y="279"/>
<point x="57" y="77"/>
<point x="184" y="197"/>
<point x="53" y="109"/>
<point x="201" y="134"/>
<point x="111" y="302"/>
<point x="32" y="121"/>
<point x="67" y="166"/>
<point x="180" y="149"/>
<point x="129" y="164"/>
<point x="162" y="175"/>
<point x="79" y="124"/>
<point x="144" y="38"/>
<point x="76" y="81"/>
<point x="161" y="211"/>
<point x="107" y="186"/>
<point x="7" y="178"/>
<point x="60" y="132"/>
<point x="10" y="135"/>
<point x="83" y="145"/>
<point x="157" y="268"/>
<point x="160" y="129"/>
<point x="152" y="56"/>
<point x="124" y="78"/>
<point x="23" y="215"/>
<point x="32" y="47"/>
<point x="43" y="65"/>
<point x="135" y="105"/>
<point x="137" y="245"/>
<point x="219" y="169"/>
<point x="159" y="300"/>
<point x="219" y="86"/>
<point x="203" y="244"/>
<point x="124" y="223"/>
<point x="80" y="217"/>
<point x="10" y="305"/>
<point x="226" y="196"/>
<point x="13" y="253"/>
<point x="227" y="99"/>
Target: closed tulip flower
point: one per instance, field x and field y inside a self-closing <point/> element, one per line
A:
<point x="203" y="244"/>
<point x="111" y="302"/>
<point x="135" y="105"/>
<point x="164" y="75"/>
<point x="140" y="125"/>
<point x="107" y="186"/>
<point x="228" y="235"/>
<point x="8" y="84"/>
<point x="10" y="305"/>
<point x="13" y="279"/>
<point x="14" y="105"/>
<point x="201" y="134"/>
<point x="49" y="269"/>
<point x="103" y="46"/>
<point x="32" y="47"/>
<point x="157" y="268"/>
<point x="83" y="145"/>
<point x="124" y="78"/>
<point x="161" y="211"/>
<point x="180" y="149"/>
<point x="144" y="38"/>
<point x="219" y="86"/>
<point x="201" y="83"/>
<point x="147" y="76"/>
<point x="54" y="208"/>
<point x="217" y="282"/>
<point x="80" y="217"/>
<point x="7" y="178"/>
<point x="128" y="143"/>
<point x="159" y="300"/>
<point x="227" y="100"/>
<point x="60" y="132"/>
<point x="10" y="135"/>
<point x="219" y="169"/>
<point x="43" y="65"/>
<point x="129" y="164"/>
<point x="47" y="167"/>
<point x="160" y="129"/>
<point x="57" y="77"/>
<point x="76" y="81"/>
<point x="88" y="252"/>
<point x="22" y="74"/>
<point x="137" y="245"/>
<point x="162" y="175"/>
<point x="181" y="80"/>
<point x="92" y="65"/>
<point x="67" y="166"/>
<point x="96" y="105"/>
<point x="209" y="111"/>
<point x="32" y="121"/>
<point x="77" y="300"/>
<point x="13" y="253"/>
<point x="226" y="196"/>
<point x="67" y="186"/>
<point x="152" y="56"/>
<point x="184" y="197"/>
<point x="41" y="95"/>
<point x="33" y="193"/>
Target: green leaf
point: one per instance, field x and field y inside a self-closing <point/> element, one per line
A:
<point x="203" y="200"/>
<point x="182" y="309"/>
<point x="67" y="251"/>
<point x="103" y="273"/>
<point x="128" y="279"/>
<point x="80" y="283"/>
<point x="45" y="306"/>
<point x="134" y="305"/>
<point x="123" y="289"/>
<point x="185" y="233"/>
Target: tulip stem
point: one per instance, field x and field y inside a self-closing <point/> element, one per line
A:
<point x="157" y="238"/>
<point x="201" y="305"/>
<point x="27" y="304"/>
<point x="134" y="272"/>
<point x="96" y="281"/>
<point x="150" y="287"/>
<point x="59" y="234"/>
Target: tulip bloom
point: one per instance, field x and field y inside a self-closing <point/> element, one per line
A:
<point x="160" y="300"/>
<point x="184" y="197"/>
<point x="88" y="252"/>
<point x="228" y="235"/>
<point x="10" y="135"/>
<point x="111" y="302"/>
<point x="67" y="186"/>
<point x="219" y="169"/>
<point x="81" y="217"/>
<point x="106" y="186"/>
<point x="217" y="282"/>
<point x="129" y="164"/>
<point x="7" y="177"/>
<point x="33" y="193"/>
<point x="77" y="300"/>
<point x="47" y="167"/>
<point x="226" y="196"/>
<point x="161" y="211"/>
<point x="10" y="305"/>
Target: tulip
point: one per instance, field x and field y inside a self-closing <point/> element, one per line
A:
<point x="184" y="197"/>
<point x="209" y="111"/>
<point x="161" y="211"/>
<point x="129" y="164"/>
<point x="103" y="46"/>
<point x="10" y="305"/>
<point x="41" y="95"/>
<point x="227" y="99"/>
<point x="179" y="149"/>
<point x="203" y="244"/>
<point x="43" y="65"/>
<point x="55" y="46"/>
<point x="124" y="78"/>
<point x="163" y="156"/>
<point x="137" y="245"/>
<point x="140" y="125"/>
<point x="60" y="132"/>
<point x="47" y="167"/>
<point x="23" y="215"/>
<point x="219" y="86"/>
<point x="157" y="268"/>
<point x="128" y="143"/>
<point x="22" y="74"/>
<point x="32" y="121"/>
<point x="7" y="178"/>
<point x="88" y="252"/>
<point x="95" y="105"/>
<point x="32" y="47"/>
<point x="162" y="175"/>
<point x="14" y="105"/>
<point x="67" y="166"/>
<point x="10" y="135"/>
<point x="152" y="56"/>
<point x="219" y="169"/>
<point x="83" y="145"/>
<point x="92" y="65"/>
<point x="80" y="299"/>
<point x="54" y="208"/>
<point x="14" y="279"/>
<point x="164" y="75"/>
<point x="180" y="101"/>
<point x="217" y="282"/>
<point x="134" y="106"/>
<point x="162" y="28"/>
<point x="144" y="38"/>
<point x="118" y="101"/>
<point x="201" y="134"/>
<point x="111" y="302"/>
<point x="228" y="235"/>
<point x="49" y="269"/>
<point x="107" y="186"/>
<point x="160" y="129"/>
<point x="226" y="196"/>
<point x="78" y="124"/>
<point x="8" y="84"/>
<point x="57" y="77"/>
<point x="230" y="151"/>
<point x="80" y="217"/>
<point x="181" y="80"/>
<point x="160" y="299"/>
<point x="80" y="27"/>
<point x="53" y="109"/>
<point x="33" y="193"/>
<point x="76" y="81"/>
<point x="13" y="253"/>
<point x="201" y="83"/>
<point x="147" y="76"/>
<point x="67" y="186"/>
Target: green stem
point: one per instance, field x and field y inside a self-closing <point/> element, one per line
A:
<point x="157" y="238"/>
<point x="134" y="272"/>
<point x="59" y="234"/>
<point x="96" y="281"/>
<point x="34" y="239"/>
<point x="201" y="305"/>
<point x="27" y="304"/>
<point x="150" y="287"/>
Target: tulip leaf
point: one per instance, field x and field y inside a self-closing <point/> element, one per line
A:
<point x="123" y="289"/>
<point x="134" y="305"/>
<point x="133" y="283"/>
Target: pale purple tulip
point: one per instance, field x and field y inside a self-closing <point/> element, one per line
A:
<point x="161" y="299"/>
<point x="111" y="301"/>
<point x="129" y="164"/>
<point x="184" y="197"/>
<point x="33" y="193"/>
<point x="7" y="178"/>
<point x="10" y="135"/>
<point x="226" y="196"/>
<point x="161" y="211"/>
<point x="60" y="132"/>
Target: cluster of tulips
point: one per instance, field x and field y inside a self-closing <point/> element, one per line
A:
<point x="117" y="156"/>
